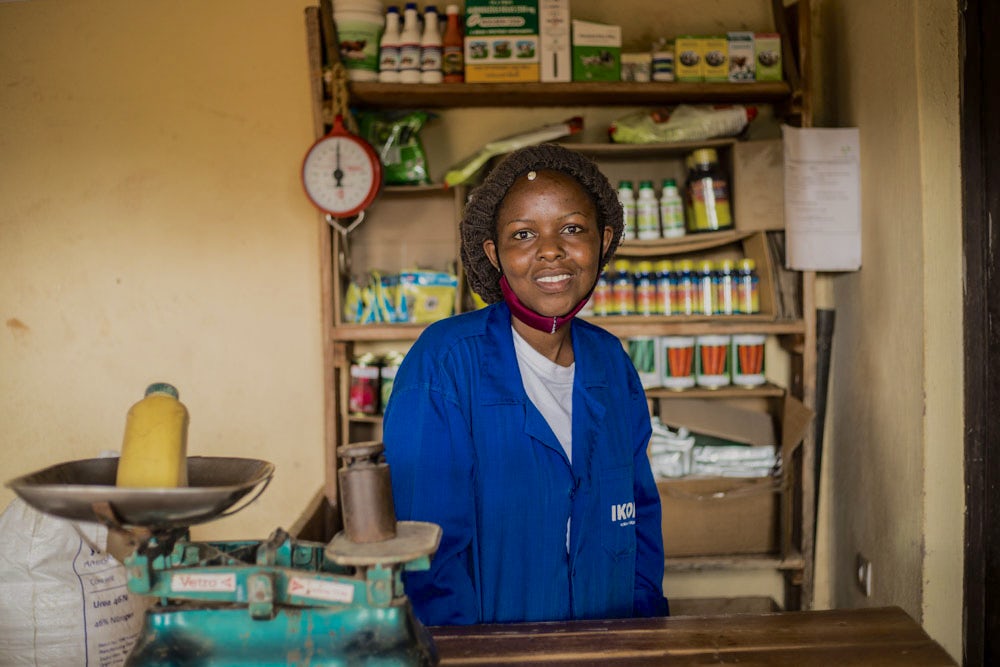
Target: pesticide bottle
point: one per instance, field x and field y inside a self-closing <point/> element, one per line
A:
<point x="388" y="53"/>
<point x="409" y="45"/>
<point x="154" y="449"/>
<point x="430" y="47"/>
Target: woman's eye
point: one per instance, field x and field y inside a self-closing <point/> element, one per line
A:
<point x="522" y="235"/>
<point x="573" y="229"/>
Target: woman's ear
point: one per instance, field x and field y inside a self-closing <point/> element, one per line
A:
<point x="490" y="248"/>
<point x="609" y="235"/>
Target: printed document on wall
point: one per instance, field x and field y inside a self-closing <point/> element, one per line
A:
<point x="822" y="198"/>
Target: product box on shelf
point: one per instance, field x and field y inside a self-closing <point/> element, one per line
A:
<point x="741" y="60"/>
<point x="555" y="41"/>
<point x="501" y="41"/>
<point x="767" y="52"/>
<point x="717" y="516"/>
<point x="689" y="61"/>
<point x="758" y="185"/>
<point x="597" y="49"/>
<point x="715" y="55"/>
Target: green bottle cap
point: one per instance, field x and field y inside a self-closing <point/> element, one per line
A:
<point x="162" y="388"/>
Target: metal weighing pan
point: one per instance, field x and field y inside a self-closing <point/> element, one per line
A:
<point x="70" y="490"/>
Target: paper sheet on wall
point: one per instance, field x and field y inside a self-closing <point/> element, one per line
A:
<point x="822" y="199"/>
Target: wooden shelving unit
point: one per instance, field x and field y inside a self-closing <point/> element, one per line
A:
<point x="796" y="334"/>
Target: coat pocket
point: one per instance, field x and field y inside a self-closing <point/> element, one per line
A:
<point x="618" y="500"/>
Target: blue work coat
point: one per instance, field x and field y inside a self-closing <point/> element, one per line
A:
<point x="468" y="450"/>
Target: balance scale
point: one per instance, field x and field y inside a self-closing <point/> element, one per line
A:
<point x="279" y="601"/>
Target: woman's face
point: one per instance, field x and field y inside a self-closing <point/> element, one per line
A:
<point x="548" y="242"/>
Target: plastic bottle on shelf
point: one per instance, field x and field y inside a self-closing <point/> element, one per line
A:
<point x="430" y="47"/>
<point x="748" y="287"/>
<point x="453" y="48"/>
<point x="388" y="50"/>
<point x="645" y="288"/>
<point x="622" y="289"/>
<point x="409" y="45"/>
<point x="647" y="212"/>
<point x="708" y="193"/>
<point x="707" y="287"/>
<point x="671" y="210"/>
<point x="627" y="198"/>
<point x="601" y="298"/>
<point x="685" y="300"/>
<point x="665" y="287"/>
<point x="726" y="301"/>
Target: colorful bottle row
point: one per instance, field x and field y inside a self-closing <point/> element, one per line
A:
<point x="665" y="287"/>
<point x="414" y="54"/>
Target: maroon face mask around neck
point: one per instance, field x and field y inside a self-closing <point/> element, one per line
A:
<point x="533" y="319"/>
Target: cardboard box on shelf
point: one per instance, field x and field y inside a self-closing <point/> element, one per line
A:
<point x="689" y="61"/>
<point x="767" y="53"/>
<point x="501" y="41"/>
<point x="717" y="516"/>
<point x="555" y="41"/>
<point x="597" y="49"/>
<point x="715" y="56"/>
<point x="758" y="185"/>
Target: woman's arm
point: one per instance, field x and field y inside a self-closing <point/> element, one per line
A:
<point x="429" y="455"/>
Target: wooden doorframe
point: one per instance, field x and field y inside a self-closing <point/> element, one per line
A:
<point x="980" y="136"/>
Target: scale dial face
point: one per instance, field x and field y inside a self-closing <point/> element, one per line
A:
<point x="341" y="173"/>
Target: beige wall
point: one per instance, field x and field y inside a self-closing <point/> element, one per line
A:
<point x="153" y="228"/>
<point x="894" y="442"/>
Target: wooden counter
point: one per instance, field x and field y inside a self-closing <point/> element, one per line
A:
<point x="885" y="636"/>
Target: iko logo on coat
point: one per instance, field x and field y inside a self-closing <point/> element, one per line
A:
<point x="623" y="514"/>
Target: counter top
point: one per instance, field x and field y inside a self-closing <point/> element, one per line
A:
<point x="881" y="636"/>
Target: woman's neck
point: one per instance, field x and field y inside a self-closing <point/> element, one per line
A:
<point x="557" y="347"/>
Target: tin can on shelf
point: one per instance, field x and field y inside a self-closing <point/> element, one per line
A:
<point x="387" y="375"/>
<point x="642" y="352"/>
<point x="363" y="395"/>
<point x="677" y="362"/>
<point x="748" y="359"/>
<point x="712" y="361"/>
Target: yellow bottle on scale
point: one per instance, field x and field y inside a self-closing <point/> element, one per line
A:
<point x="154" y="450"/>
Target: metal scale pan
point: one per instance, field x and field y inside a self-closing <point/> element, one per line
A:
<point x="77" y="489"/>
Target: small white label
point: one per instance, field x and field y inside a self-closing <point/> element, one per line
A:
<point x="321" y="589"/>
<point x="203" y="583"/>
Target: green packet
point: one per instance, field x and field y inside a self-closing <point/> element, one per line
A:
<point x="395" y="136"/>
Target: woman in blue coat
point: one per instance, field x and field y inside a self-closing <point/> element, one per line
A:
<point x="522" y="430"/>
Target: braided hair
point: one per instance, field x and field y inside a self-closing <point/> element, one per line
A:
<point x="479" y="222"/>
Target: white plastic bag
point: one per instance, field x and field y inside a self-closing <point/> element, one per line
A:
<point x="63" y="599"/>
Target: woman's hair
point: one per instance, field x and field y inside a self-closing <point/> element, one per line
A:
<point x="479" y="222"/>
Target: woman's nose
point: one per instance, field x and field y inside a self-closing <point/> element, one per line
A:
<point x="550" y="246"/>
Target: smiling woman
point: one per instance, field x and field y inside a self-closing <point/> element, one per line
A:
<point x="522" y="430"/>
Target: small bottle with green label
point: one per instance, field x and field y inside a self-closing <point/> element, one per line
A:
<point x="647" y="212"/>
<point x="627" y="198"/>
<point x="671" y="210"/>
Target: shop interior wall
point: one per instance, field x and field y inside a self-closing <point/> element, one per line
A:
<point x="893" y="479"/>
<point x="153" y="228"/>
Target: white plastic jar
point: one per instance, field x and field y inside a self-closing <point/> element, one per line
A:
<point x="359" y="29"/>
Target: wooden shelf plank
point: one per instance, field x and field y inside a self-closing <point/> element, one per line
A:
<point x="618" y="93"/>
<point x="767" y="390"/>
<point x="621" y="326"/>
<point x="684" y="244"/>
<point x="793" y="561"/>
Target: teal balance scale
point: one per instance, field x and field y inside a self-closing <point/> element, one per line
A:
<point x="279" y="601"/>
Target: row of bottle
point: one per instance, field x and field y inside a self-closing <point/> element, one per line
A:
<point x="647" y="217"/>
<point x="726" y="287"/>
<point x="704" y="208"/>
<point x="409" y="53"/>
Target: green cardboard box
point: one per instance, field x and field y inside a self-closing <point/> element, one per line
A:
<point x="597" y="51"/>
